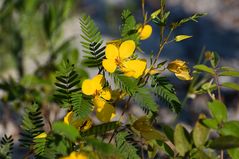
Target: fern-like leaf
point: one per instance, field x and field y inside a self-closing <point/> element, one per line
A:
<point x="6" y="147"/>
<point x="67" y="81"/>
<point x="39" y="147"/>
<point x="81" y="107"/>
<point x="127" y="150"/>
<point x="145" y="100"/>
<point x="31" y="125"/>
<point x="92" y="43"/>
<point x="126" y="84"/>
<point x="166" y="92"/>
<point x="101" y="129"/>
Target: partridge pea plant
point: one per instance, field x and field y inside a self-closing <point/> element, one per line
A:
<point x="100" y="121"/>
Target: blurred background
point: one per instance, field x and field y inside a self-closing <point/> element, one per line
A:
<point x="35" y="36"/>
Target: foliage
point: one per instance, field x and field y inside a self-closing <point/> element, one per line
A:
<point x="100" y="121"/>
<point x="92" y="43"/>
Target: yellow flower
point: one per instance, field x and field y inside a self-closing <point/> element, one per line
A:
<point x="120" y="57"/>
<point x="41" y="135"/>
<point x="104" y="111"/>
<point x="182" y="37"/>
<point x="133" y="68"/>
<point x="180" y="69"/>
<point x="115" y="56"/>
<point x="76" y="155"/>
<point x="145" y="32"/>
<point x="80" y="124"/>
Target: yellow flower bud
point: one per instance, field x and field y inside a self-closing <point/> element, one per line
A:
<point x="155" y="13"/>
<point x="182" y="37"/>
<point x="145" y="32"/>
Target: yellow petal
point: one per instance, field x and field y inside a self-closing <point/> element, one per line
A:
<point x="145" y="32"/>
<point x="41" y="135"/>
<point x="111" y="51"/>
<point x="88" y="87"/>
<point x="68" y="118"/>
<point x="106" y="93"/>
<point x="99" y="102"/>
<point x="98" y="82"/>
<point x="86" y="125"/>
<point x="109" y="65"/>
<point x="76" y="155"/>
<point x="184" y="75"/>
<point x="126" y="49"/>
<point x="106" y="113"/>
<point x="134" y="68"/>
<point x="182" y="37"/>
<point x="176" y="65"/>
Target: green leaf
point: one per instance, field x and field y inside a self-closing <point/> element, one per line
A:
<point x="200" y="154"/>
<point x="65" y="130"/>
<point x="147" y="131"/>
<point x="92" y="43"/>
<point x="224" y="142"/>
<point x="182" y="140"/>
<point x="128" y="150"/>
<point x="230" y="73"/>
<point x="230" y="128"/>
<point x="200" y="132"/>
<point x="166" y="92"/>
<point x="233" y="153"/>
<point x="194" y="18"/>
<point x="204" y="68"/>
<point x="6" y="147"/>
<point x="101" y="129"/>
<point x="211" y="123"/>
<point x="127" y="84"/>
<point x="231" y="85"/>
<point x="145" y="100"/>
<point x="169" y="132"/>
<point x="81" y="107"/>
<point x="128" y="27"/>
<point x="218" y="110"/>
<point x="102" y="147"/>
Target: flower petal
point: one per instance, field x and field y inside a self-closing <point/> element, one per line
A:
<point x="109" y="65"/>
<point x="99" y="102"/>
<point x="176" y="65"/>
<point x="145" y="32"/>
<point x="106" y="93"/>
<point x="98" y="82"/>
<point x="68" y="117"/>
<point x="106" y="113"/>
<point x="88" y="87"/>
<point x="134" y="68"/>
<point x="184" y="75"/>
<point x="111" y="51"/>
<point x="76" y="155"/>
<point x="127" y="49"/>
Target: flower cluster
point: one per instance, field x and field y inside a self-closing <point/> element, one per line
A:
<point x="95" y="87"/>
